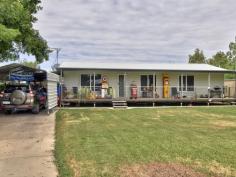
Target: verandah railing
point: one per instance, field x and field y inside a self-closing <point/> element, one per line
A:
<point x="173" y="92"/>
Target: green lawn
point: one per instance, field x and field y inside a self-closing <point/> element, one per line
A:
<point x="99" y="142"/>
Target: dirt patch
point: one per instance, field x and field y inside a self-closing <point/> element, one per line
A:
<point x="78" y="121"/>
<point x="224" y="124"/>
<point x="213" y="116"/>
<point x="217" y="168"/>
<point x="83" y="117"/>
<point x="220" y="170"/>
<point x="70" y="119"/>
<point x="213" y="167"/>
<point x="111" y="125"/>
<point x="159" y="170"/>
<point x="75" y="167"/>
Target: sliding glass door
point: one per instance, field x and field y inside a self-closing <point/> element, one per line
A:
<point x="188" y="83"/>
<point x="91" y="81"/>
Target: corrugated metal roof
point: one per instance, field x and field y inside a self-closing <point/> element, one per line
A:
<point x="142" y="66"/>
<point x="16" y="68"/>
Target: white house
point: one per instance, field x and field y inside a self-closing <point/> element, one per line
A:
<point x="86" y="81"/>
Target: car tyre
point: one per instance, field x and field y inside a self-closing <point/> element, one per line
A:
<point x="35" y="109"/>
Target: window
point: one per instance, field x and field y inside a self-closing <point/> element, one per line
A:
<point x="146" y="81"/>
<point x="87" y="80"/>
<point x="147" y="86"/>
<point x="188" y="83"/>
<point x="150" y="83"/>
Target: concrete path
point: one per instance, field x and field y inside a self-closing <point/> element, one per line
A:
<point x="26" y="145"/>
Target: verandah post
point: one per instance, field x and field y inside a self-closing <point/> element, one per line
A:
<point x="94" y="82"/>
<point x="235" y="82"/>
<point x="90" y="84"/>
<point x="209" y="84"/>
<point x="125" y="84"/>
<point x="182" y="80"/>
<point x="60" y="85"/>
<point x="154" y="85"/>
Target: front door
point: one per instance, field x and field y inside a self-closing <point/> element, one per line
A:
<point x="121" y="86"/>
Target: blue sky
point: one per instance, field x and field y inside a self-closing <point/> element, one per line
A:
<point x="136" y="30"/>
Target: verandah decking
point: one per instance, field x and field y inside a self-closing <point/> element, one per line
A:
<point x="154" y="101"/>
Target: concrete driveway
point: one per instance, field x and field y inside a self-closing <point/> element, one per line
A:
<point x="26" y="145"/>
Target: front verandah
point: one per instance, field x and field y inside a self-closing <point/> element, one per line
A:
<point x="139" y="93"/>
<point x="146" y="88"/>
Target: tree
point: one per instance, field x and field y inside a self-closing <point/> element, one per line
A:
<point x="232" y="54"/>
<point x="16" y="30"/>
<point x="197" y="57"/>
<point x="220" y="59"/>
<point x="31" y="64"/>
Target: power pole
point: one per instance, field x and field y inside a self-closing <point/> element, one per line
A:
<point x="57" y="52"/>
<point x="57" y="56"/>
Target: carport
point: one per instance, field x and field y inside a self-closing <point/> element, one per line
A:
<point x="19" y="72"/>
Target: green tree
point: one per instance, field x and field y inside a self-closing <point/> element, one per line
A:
<point x="232" y="54"/>
<point x="197" y="57"/>
<point x="220" y="59"/>
<point x="17" y="34"/>
<point x="31" y="64"/>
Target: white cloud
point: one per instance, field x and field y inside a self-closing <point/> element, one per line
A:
<point x="137" y="30"/>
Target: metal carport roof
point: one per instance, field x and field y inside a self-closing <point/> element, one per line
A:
<point x="16" y="68"/>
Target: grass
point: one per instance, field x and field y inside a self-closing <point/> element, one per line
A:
<point x="99" y="142"/>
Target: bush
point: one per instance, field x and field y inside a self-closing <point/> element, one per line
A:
<point x="2" y="87"/>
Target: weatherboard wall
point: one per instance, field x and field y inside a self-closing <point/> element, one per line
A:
<point x="72" y="79"/>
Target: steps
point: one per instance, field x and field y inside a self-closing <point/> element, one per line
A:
<point x="233" y="103"/>
<point x="119" y="104"/>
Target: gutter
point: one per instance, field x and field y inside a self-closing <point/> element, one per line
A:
<point x="116" y="69"/>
